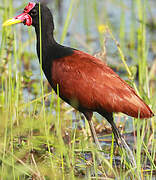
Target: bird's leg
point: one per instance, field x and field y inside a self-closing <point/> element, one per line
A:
<point x="119" y="139"/>
<point x="88" y="116"/>
<point x="94" y="135"/>
<point x="122" y="143"/>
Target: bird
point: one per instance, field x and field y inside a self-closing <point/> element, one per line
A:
<point x="85" y="82"/>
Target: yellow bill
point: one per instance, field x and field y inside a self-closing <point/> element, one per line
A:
<point x="11" y="22"/>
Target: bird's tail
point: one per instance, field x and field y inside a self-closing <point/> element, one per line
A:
<point x="138" y="108"/>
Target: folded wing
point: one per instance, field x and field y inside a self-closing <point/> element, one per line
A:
<point x="95" y="86"/>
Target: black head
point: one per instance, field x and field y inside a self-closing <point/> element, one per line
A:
<point x="46" y="15"/>
<point x="30" y="16"/>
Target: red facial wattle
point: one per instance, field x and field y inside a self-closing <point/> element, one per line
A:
<point x="25" y="18"/>
<point x="29" y="7"/>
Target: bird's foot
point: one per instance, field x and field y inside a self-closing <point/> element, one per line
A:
<point x="122" y="143"/>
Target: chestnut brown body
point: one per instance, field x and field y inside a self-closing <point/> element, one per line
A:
<point x="90" y="85"/>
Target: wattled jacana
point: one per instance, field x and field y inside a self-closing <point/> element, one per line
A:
<point x="85" y="82"/>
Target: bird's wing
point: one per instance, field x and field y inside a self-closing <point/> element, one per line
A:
<point x="91" y="84"/>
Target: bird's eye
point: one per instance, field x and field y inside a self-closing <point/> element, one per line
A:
<point x="33" y="12"/>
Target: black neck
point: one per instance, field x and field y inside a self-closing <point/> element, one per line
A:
<point x="51" y="50"/>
